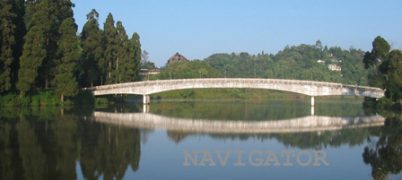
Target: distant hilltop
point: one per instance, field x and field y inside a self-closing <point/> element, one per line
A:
<point x="176" y="58"/>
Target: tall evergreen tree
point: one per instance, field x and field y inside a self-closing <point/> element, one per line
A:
<point x="69" y="48"/>
<point x="40" y="52"/>
<point x="20" y="31"/>
<point x="92" y="47"/>
<point x="35" y="46"/>
<point x="30" y="10"/>
<point x="136" y="55"/>
<point x="7" y="43"/>
<point x="58" y="11"/>
<point x="110" y="56"/>
<point x="123" y="71"/>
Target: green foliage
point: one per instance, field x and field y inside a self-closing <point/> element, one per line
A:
<point x="101" y="102"/>
<point x="64" y="80"/>
<point x="84" y="98"/>
<point x="148" y="65"/>
<point x="39" y="44"/>
<point x="46" y="98"/>
<point x="57" y="12"/>
<point x="226" y="94"/>
<point x="135" y="55"/>
<point x="35" y="49"/>
<point x="373" y="59"/>
<point x="385" y="72"/>
<point x="92" y="52"/>
<point x="40" y="99"/>
<point x="305" y="62"/>
<point x="108" y="64"/>
<point x="40" y="52"/>
<point x="7" y="44"/>
<point x="392" y="71"/>
<point x="353" y="71"/>
<point x="188" y="69"/>
<point x="13" y="100"/>
<point x="380" y="48"/>
<point x="20" y="31"/>
<point x="384" y="153"/>
<point x="378" y="53"/>
<point x="108" y="56"/>
<point x="125" y="66"/>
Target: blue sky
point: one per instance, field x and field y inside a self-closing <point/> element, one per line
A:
<point x="199" y="28"/>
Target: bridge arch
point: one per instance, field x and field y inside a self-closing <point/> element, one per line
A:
<point x="309" y="88"/>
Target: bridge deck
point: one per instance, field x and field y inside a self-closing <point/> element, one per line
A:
<point x="310" y="88"/>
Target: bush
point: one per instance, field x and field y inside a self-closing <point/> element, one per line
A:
<point x="46" y="98"/>
<point x="101" y="102"/>
<point x="13" y="100"/>
<point x="384" y="103"/>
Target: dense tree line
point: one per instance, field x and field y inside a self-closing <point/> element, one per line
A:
<point x="305" y="62"/>
<point x="40" y="49"/>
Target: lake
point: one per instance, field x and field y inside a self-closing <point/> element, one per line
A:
<point x="279" y="139"/>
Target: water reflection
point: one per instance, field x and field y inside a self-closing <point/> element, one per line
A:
<point x="300" y="124"/>
<point x="31" y="148"/>
<point x="49" y="144"/>
<point x="384" y="153"/>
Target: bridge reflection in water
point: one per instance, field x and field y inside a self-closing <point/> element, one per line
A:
<point x="300" y="124"/>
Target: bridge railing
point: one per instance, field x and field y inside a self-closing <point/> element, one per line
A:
<point x="247" y="80"/>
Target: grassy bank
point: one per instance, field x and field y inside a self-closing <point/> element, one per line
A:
<point x="50" y="99"/>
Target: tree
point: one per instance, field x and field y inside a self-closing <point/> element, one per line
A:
<point x="380" y="48"/>
<point x="69" y="49"/>
<point x="40" y="51"/>
<point x="136" y="54"/>
<point x="7" y="43"/>
<point x="35" y="49"/>
<point x="318" y="45"/>
<point x="110" y="56"/>
<point x="391" y="69"/>
<point x="20" y="31"/>
<point x="92" y="51"/>
<point x="124" y="70"/>
<point x="58" y="11"/>
<point x="374" y="58"/>
<point x="379" y="52"/>
<point x="384" y="153"/>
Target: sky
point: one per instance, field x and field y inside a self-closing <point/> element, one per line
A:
<point x="200" y="28"/>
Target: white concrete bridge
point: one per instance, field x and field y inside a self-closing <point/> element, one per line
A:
<point x="300" y="124"/>
<point x="309" y="88"/>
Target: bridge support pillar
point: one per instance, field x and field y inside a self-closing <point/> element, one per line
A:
<point x="312" y="101"/>
<point x="146" y="99"/>
<point x="312" y="112"/>
<point x="145" y="108"/>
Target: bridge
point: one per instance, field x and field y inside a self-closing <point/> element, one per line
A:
<point x="309" y="88"/>
<point x="294" y="125"/>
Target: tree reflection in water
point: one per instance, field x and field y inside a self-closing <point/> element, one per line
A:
<point x="34" y="147"/>
<point x="385" y="152"/>
<point x="39" y="144"/>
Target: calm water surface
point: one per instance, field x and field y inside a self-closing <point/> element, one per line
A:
<point x="201" y="140"/>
